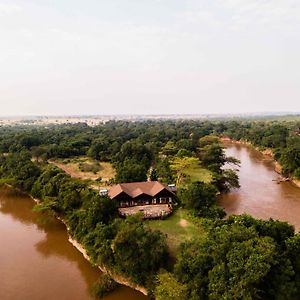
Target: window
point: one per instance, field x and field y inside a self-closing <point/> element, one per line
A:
<point x="163" y="200"/>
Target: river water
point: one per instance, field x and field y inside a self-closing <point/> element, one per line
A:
<point x="259" y="195"/>
<point x="36" y="259"/>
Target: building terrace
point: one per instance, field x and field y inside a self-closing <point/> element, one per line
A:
<point x="152" y="198"/>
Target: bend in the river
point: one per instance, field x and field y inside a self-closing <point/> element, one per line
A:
<point x="260" y="194"/>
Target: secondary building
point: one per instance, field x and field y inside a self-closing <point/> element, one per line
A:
<point x="142" y="193"/>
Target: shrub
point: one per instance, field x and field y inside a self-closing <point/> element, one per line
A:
<point x="104" y="285"/>
<point x="297" y="173"/>
<point x="87" y="167"/>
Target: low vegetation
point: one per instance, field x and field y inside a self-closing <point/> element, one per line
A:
<point x="181" y="226"/>
<point x="103" y="286"/>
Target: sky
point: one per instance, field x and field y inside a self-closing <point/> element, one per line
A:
<point x="74" y="57"/>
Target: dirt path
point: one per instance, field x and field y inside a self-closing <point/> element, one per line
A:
<point x="184" y="223"/>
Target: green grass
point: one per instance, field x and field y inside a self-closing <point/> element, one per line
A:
<point x="188" y="170"/>
<point x="175" y="231"/>
<point x="197" y="173"/>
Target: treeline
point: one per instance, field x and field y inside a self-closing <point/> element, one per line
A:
<point x="102" y="142"/>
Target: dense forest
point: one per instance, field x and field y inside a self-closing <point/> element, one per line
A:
<point x="126" y="142"/>
<point x="239" y="258"/>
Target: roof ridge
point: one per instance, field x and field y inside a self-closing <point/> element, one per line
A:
<point x="134" y="189"/>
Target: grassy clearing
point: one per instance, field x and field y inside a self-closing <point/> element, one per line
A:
<point x="197" y="173"/>
<point x="179" y="227"/>
<point x="86" y="169"/>
<point x="189" y="169"/>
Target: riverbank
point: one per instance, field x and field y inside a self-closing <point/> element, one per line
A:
<point x="116" y="277"/>
<point x="267" y="153"/>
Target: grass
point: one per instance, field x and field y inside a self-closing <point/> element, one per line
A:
<point x="189" y="169"/>
<point x="179" y="227"/>
<point x="197" y="173"/>
<point x="86" y="169"/>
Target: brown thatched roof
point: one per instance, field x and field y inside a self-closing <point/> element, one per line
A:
<point x="135" y="189"/>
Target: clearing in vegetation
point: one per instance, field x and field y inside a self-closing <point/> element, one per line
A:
<point x="178" y="227"/>
<point x="197" y="173"/>
<point x="86" y="169"/>
<point x="189" y="169"/>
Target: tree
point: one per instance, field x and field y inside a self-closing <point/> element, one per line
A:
<point x="168" y="288"/>
<point x="201" y="198"/>
<point x="232" y="263"/>
<point x="131" y="171"/>
<point x="164" y="171"/>
<point x="227" y="180"/>
<point x="246" y="263"/>
<point x="179" y="165"/>
<point x="208" y="140"/>
<point x="153" y="175"/>
<point x="138" y="251"/>
<point x="169" y="148"/>
<point x="290" y="159"/>
<point x="20" y="169"/>
<point x="70" y="195"/>
<point x="293" y="250"/>
<point x="212" y="156"/>
<point x="40" y="153"/>
<point x="99" y="149"/>
<point x="135" y="152"/>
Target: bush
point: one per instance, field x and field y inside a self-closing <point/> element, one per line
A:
<point x="168" y="288"/>
<point x="99" y="179"/>
<point x="87" y="167"/>
<point x="297" y="173"/>
<point x="104" y="285"/>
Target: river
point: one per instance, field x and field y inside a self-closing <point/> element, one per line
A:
<point x="36" y="259"/>
<point x="259" y="195"/>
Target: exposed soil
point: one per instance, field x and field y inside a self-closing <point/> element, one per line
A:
<point x="106" y="171"/>
<point x="183" y="223"/>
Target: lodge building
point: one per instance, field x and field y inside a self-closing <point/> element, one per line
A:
<point x="142" y="193"/>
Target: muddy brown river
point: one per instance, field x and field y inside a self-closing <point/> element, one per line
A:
<point x="37" y="261"/>
<point x="260" y="195"/>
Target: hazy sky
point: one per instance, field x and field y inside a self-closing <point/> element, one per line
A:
<point x="149" y="56"/>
